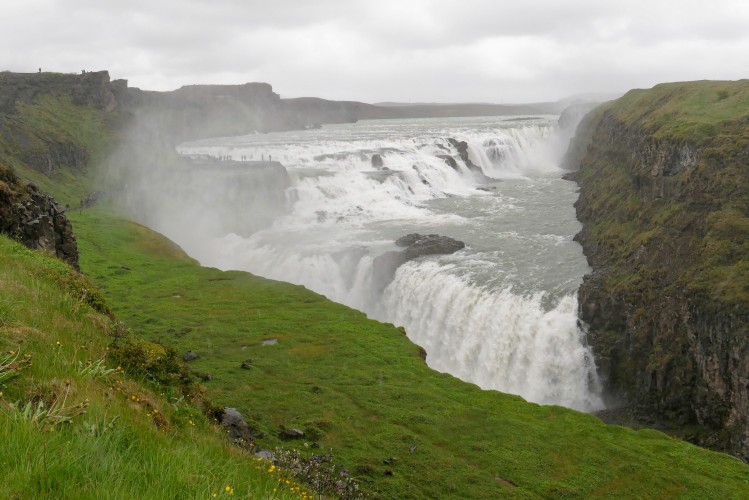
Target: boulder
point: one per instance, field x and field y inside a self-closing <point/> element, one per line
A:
<point x="237" y="428"/>
<point x="377" y="160"/>
<point x="189" y="356"/>
<point x="291" y="433"/>
<point x="430" y="244"/>
<point x="39" y="223"/>
<point x="265" y="455"/>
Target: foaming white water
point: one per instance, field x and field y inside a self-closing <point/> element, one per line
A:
<point x="502" y="312"/>
<point x="518" y="151"/>
<point x="495" y="338"/>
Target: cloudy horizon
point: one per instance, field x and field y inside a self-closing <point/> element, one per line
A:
<point x="402" y="51"/>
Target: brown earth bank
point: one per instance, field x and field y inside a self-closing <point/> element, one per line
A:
<point x="664" y="202"/>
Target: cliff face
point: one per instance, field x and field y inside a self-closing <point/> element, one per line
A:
<point x="87" y="89"/>
<point x="664" y="202"/>
<point x="34" y="218"/>
<point x="51" y="126"/>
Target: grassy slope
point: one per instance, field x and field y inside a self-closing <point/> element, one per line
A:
<point x="361" y="388"/>
<point x="56" y="121"/>
<point x="712" y="117"/>
<point x="119" y="448"/>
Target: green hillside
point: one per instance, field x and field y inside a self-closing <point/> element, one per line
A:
<point x="361" y="388"/>
<point x="104" y="409"/>
<point x="73" y="425"/>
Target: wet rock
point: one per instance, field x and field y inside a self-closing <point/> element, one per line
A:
<point x="416" y="245"/>
<point x="189" y="356"/>
<point x="462" y="148"/>
<point x="679" y="361"/>
<point x="450" y="161"/>
<point x="377" y="160"/>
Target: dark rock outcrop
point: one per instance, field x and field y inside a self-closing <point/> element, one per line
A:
<point x="34" y="219"/>
<point x="51" y="154"/>
<point x="462" y="148"/>
<point x="87" y="89"/>
<point x="664" y="203"/>
<point x="377" y="160"/>
<point x="416" y="245"/>
<point x="450" y="161"/>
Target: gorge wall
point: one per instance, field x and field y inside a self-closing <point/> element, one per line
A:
<point x="664" y="202"/>
<point x="52" y="126"/>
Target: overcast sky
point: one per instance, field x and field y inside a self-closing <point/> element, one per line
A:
<point x="385" y="50"/>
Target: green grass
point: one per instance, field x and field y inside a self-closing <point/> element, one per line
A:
<point x="57" y="121"/>
<point x="701" y="223"/>
<point x="692" y="111"/>
<point x="360" y="388"/>
<point x="131" y="441"/>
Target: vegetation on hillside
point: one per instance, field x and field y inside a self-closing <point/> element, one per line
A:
<point x="361" y="389"/>
<point x="665" y="208"/>
<point x="92" y="408"/>
<point x="699" y="215"/>
<point x="53" y="143"/>
<point x="74" y="425"/>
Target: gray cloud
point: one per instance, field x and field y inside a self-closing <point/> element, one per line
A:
<point x="407" y="50"/>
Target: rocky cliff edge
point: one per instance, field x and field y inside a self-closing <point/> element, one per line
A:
<point x="664" y="202"/>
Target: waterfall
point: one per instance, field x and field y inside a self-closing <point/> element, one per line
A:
<point x="501" y="313"/>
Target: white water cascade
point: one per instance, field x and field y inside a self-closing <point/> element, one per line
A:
<point x="501" y="313"/>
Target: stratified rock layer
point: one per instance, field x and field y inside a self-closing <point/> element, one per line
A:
<point x="664" y="201"/>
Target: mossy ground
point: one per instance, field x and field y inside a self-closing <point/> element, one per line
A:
<point x="360" y="388"/>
